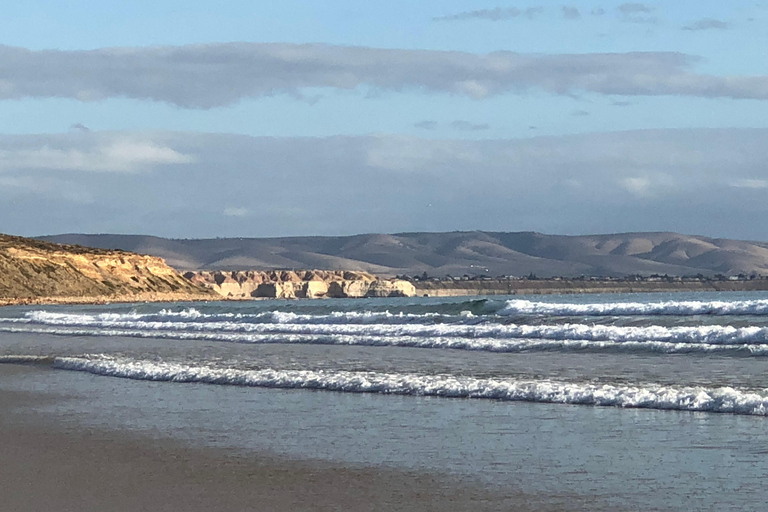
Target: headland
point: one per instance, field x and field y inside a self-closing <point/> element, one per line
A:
<point x="39" y="272"/>
<point x="35" y="272"/>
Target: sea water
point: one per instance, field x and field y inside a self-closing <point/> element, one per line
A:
<point x="637" y="402"/>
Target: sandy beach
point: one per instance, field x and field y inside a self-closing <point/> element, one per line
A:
<point x="49" y="467"/>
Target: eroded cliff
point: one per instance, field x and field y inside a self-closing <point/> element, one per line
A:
<point x="35" y="271"/>
<point x="309" y="284"/>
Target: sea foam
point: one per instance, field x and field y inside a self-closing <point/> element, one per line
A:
<point x="675" y="308"/>
<point x="710" y="334"/>
<point x="430" y="342"/>
<point x="25" y="359"/>
<point x="651" y="396"/>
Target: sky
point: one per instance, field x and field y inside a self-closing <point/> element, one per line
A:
<point x="201" y="119"/>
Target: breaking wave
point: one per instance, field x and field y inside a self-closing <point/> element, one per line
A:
<point x="25" y="359"/>
<point x="277" y="317"/>
<point x="676" y="308"/>
<point x="709" y="334"/>
<point x="650" y="396"/>
<point x="430" y="342"/>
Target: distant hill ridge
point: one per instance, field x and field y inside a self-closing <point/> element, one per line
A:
<point x="454" y="253"/>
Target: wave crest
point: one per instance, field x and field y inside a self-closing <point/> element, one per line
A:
<point x="674" y="308"/>
<point x="709" y="334"/>
<point x="650" y="396"/>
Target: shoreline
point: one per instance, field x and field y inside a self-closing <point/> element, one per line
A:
<point x="106" y="299"/>
<point x="49" y="466"/>
<point x="567" y="287"/>
<point x="436" y="289"/>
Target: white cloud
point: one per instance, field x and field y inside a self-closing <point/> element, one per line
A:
<point x="639" y="186"/>
<point x="45" y="187"/>
<point x="236" y="212"/>
<point x="750" y="183"/>
<point x="101" y="155"/>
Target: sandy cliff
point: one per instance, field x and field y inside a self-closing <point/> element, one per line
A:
<point x="35" y="271"/>
<point x="309" y="284"/>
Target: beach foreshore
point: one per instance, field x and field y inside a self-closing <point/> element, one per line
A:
<point x="50" y="466"/>
<point x="445" y="289"/>
<point x="107" y="299"/>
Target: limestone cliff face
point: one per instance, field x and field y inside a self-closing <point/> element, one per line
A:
<point x="33" y="271"/>
<point x="309" y="284"/>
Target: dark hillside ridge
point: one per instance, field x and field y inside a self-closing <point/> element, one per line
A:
<point x="470" y="253"/>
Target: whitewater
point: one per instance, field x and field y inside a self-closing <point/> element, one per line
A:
<point x="704" y="354"/>
<point x="614" y="402"/>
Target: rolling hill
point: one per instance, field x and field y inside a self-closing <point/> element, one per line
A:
<point x="454" y="253"/>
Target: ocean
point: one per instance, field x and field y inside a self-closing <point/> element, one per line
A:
<point x="591" y="402"/>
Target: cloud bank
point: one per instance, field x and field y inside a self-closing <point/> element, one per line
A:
<point x="634" y="12"/>
<point x="97" y="153"/>
<point x="695" y="181"/>
<point x="468" y="126"/>
<point x="495" y="14"/>
<point x="571" y="13"/>
<point x="215" y="75"/>
<point x="708" y="24"/>
<point x="634" y="8"/>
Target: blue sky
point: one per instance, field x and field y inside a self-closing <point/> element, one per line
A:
<point x="77" y="75"/>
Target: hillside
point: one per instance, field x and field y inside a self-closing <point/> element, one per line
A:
<point x="455" y="253"/>
<point x="37" y="271"/>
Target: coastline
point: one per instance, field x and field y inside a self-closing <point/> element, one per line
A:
<point x="109" y="299"/>
<point x="438" y="289"/>
<point x="575" y="286"/>
<point x="49" y="466"/>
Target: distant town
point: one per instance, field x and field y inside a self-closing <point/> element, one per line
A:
<point x="652" y="278"/>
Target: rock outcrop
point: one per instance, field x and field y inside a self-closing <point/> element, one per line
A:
<point x="36" y="271"/>
<point x="300" y="284"/>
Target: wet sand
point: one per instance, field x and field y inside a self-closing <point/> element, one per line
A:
<point x="49" y="467"/>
